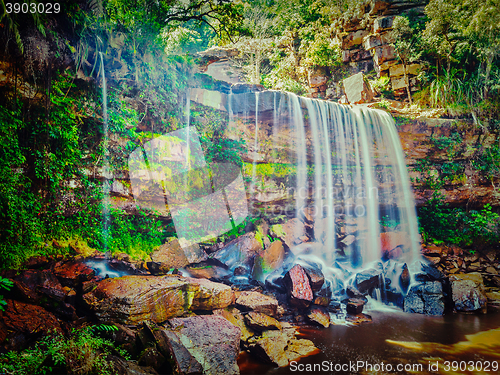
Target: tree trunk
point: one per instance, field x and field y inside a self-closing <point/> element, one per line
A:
<point x="407" y="84"/>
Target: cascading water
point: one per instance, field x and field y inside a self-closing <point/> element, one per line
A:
<point x="106" y="171"/>
<point x="350" y="172"/>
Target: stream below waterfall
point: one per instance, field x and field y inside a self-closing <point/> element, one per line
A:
<point x="418" y="342"/>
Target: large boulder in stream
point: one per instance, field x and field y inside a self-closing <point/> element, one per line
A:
<point x="425" y="298"/>
<point x="468" y="292"/>
<point x="240" y="251"/>
<point x="135" y="299"/>
<point x="172" y="255"/>
<point x="298" y="287"/>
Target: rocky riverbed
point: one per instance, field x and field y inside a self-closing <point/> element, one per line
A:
<point x="190" y="316"/>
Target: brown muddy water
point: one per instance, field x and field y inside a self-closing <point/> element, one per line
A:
<point x="399" y="343"/>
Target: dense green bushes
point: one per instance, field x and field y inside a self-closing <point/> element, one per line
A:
<point x="82" y="353"/>
<point x="442" y="224"/>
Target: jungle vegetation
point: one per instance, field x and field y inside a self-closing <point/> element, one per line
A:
<point x="51" y="111"/>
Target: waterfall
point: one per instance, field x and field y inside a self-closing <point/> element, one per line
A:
<point x="349" y="170"/>
<point x="297" y="118"/>
<point x="106" y="171"/>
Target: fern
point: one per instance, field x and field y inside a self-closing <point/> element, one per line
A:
<point x="7" y="285"/>
<point x="104" y="328"/>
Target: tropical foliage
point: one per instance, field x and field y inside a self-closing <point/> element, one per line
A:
<point x="52" y="144"/>
<point x="82" y="352"/>
<point x="442" y="224"/>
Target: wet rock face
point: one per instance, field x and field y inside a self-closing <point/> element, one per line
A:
<point x="319" y="315"/>
<point x="468" y="292"/>
<point x="391" y="244"/>
<point x="298" y="287"/>
<point x="234" y="316"/>
<point x="273" y="256"/>
<point x="324" y="295"/>
<point x="316" y="277"/>
<point x="352" y="292"/>
<point x="134" y="299"/>
<point x="205" y="344"/>
<point x="270" y="349"/>
<point x="73" y="273"/>
<point x="44" y="288"/>
<point x="425" y="298"/>
<point x="358" y="319"/>
<point x="50" y="286"/>
<point x="291" y="233"/>
<point x="429" y="273"/>
<point x="208" y="295"/>
<point x="240" y="251"/>
<point x="368" y="280"/>
<point x="405" y="278"/>
<point x="355" y="306"/>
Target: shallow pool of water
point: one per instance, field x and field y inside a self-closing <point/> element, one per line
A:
<point x="400" y="343"/>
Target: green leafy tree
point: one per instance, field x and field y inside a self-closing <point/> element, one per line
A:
<point x="406" y="45"/>
<point x="259" y="23"/>
<point x="293" y="36"/>
<point x="483" y="28"/>
<point x="462" y="39"/>
<point x="442" y="33"/>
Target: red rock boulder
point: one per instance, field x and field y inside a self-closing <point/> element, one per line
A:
<point x="298" y="287"/>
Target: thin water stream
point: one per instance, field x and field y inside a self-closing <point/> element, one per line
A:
<point x="106" y="171"/>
